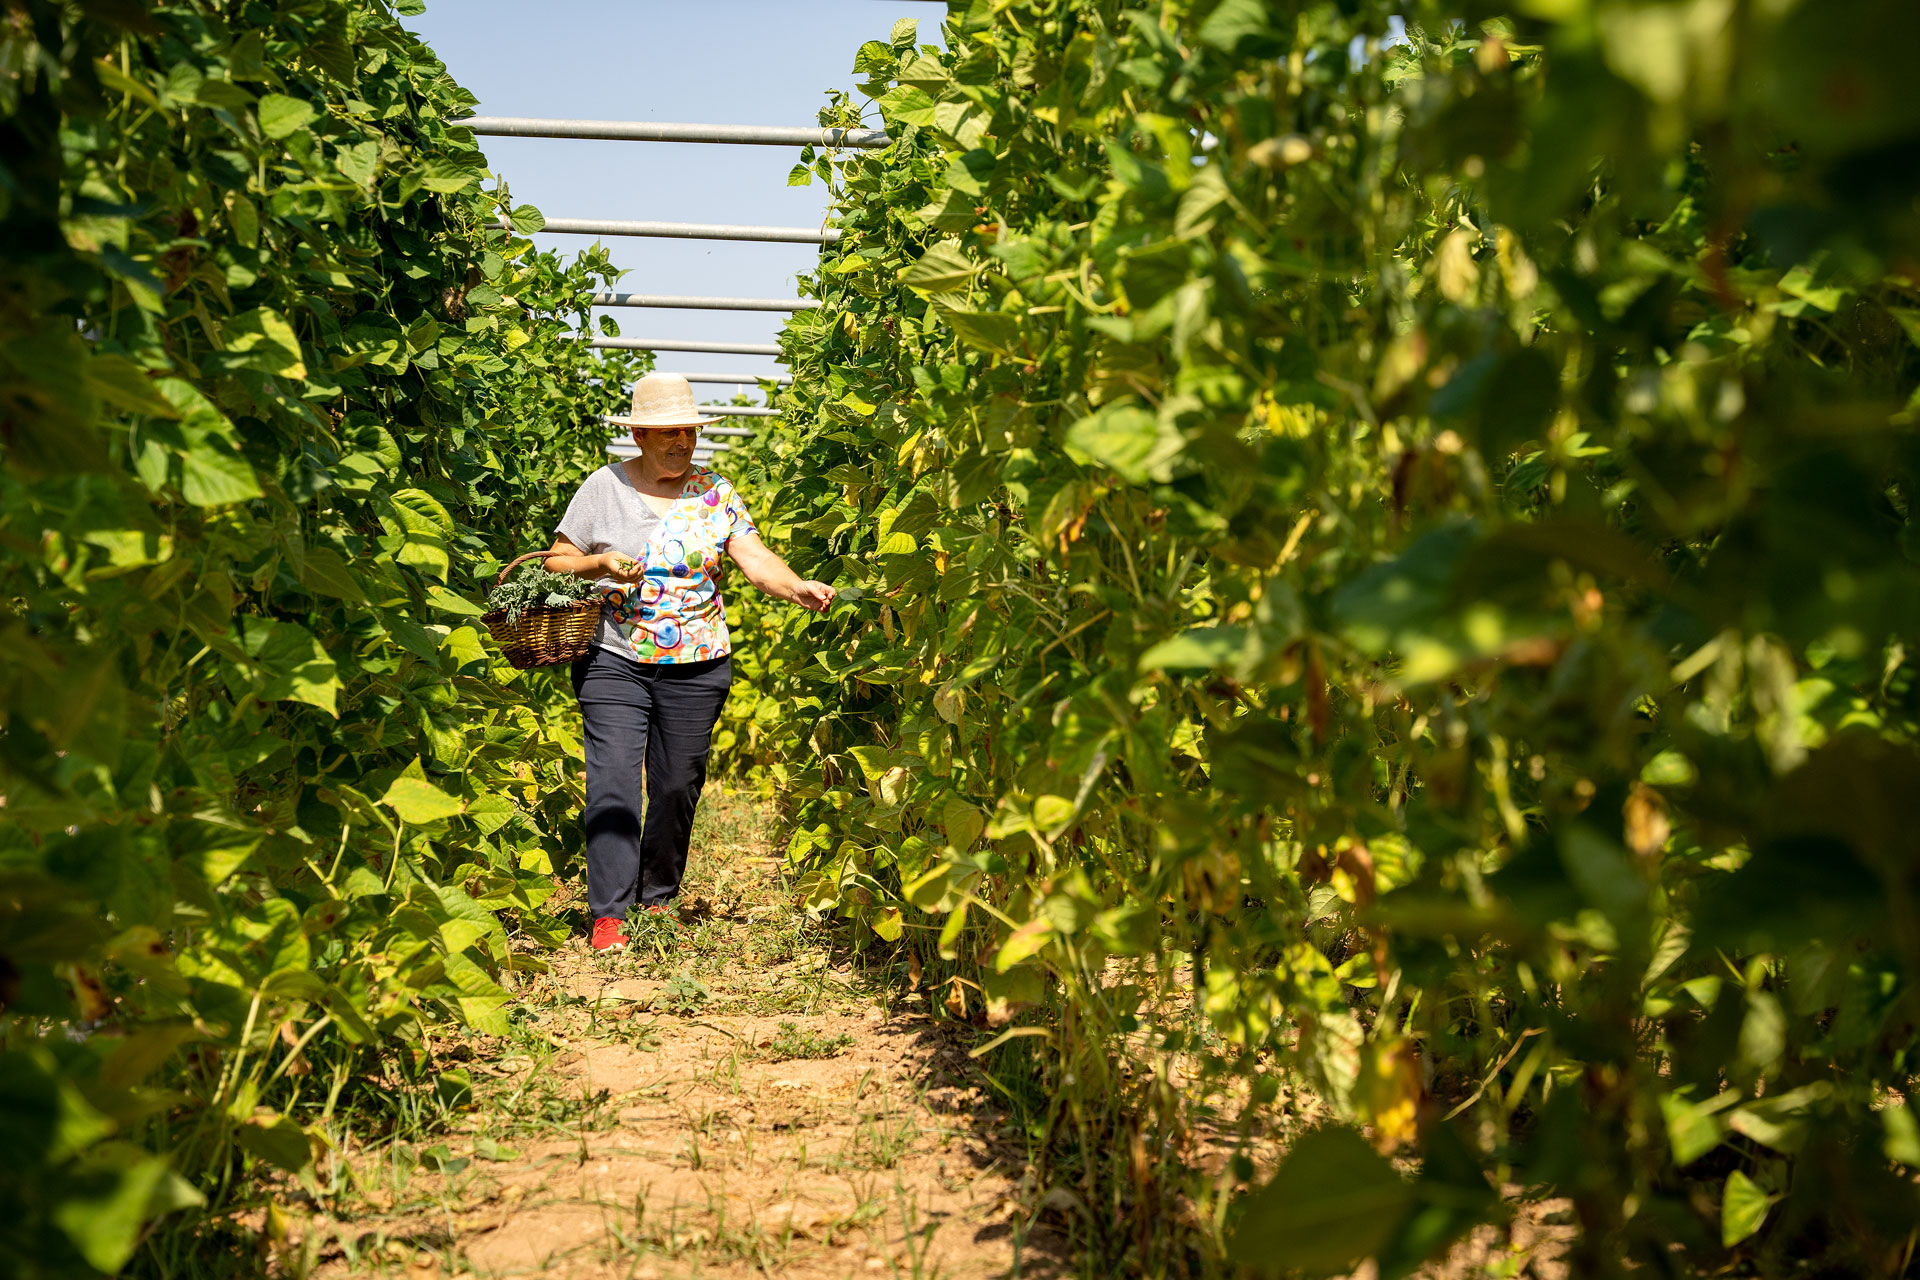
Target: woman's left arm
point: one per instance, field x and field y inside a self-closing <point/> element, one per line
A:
<point x="770" y="574"/>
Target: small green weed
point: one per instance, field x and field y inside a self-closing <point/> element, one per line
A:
<point x="634" y="1035"/>
<point x="794" y="1041"/>
<point x="683" y="994"/>
<point x="653" y="933"/>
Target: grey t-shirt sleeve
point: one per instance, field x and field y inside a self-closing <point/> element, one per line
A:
<point x="585" y="523"/>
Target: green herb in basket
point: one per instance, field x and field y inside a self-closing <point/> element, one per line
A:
<point x="535" y="588"/>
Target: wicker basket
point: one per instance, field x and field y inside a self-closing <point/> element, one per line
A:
<point x="543" y="637"/>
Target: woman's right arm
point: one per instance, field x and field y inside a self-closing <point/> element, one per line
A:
<point x="608" y="564"/>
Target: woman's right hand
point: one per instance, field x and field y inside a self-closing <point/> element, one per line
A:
<point x="619" y="566"/>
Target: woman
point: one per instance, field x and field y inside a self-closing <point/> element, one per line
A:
<point x="650" y="531"/>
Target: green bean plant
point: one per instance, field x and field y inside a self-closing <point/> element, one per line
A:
<point x="283" y="382"/>
<point x="1387" y="617"/>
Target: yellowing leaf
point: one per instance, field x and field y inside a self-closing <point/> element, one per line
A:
<point x="419" y="802"/>
<point x="1022" y="943"/>
<point x="1052" y="811"/>
<point x="963" y="823"/>
<point x="873" y="760"/>
<point x="1458" y="274"/>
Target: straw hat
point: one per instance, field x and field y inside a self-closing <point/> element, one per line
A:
<point x="663" y="400"/>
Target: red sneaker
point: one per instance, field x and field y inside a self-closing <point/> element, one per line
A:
<point x="607" y="934"/>
<point x="662" y="912"/>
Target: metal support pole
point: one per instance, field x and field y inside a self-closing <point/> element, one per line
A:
<point x="735" y="379"/>
<point x="702" y="304"/>
<point x="649" y="131"/>
<point x="741" y="432"/>
<point x="678" y="344"/>
<point x="688" y="230"/>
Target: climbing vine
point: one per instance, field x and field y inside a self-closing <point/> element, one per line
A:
<point x="1384" y="536"/>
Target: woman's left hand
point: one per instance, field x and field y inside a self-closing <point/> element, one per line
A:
<point x="816" y="596"/>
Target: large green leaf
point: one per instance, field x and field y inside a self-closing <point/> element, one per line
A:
<point x="212" y="474"/>
<point x="1201" y="648"/>
<point x="281" y="115"/>
<point x="906" y="105"/>
<point x="278" y="1141"/>
<point x="992" y="331"/>
<point x="1126" y="439"/>
<point x="297" y="669"/>
<point x="106" y="1198"/>
<point x="425" y="529"/>
<point x="941" y="269"/>
<point x="1332" y="1203"/>
<point x="124" y="385"/>
<point x="1743" y="1208"/>
<point x="267" y="342"/>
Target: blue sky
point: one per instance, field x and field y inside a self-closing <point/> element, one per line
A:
<point x="766" y="62"/>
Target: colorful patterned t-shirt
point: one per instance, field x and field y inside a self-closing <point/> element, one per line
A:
<point x="674" y="613"/>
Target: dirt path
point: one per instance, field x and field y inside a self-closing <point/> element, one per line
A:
<point x="726" y="1099"/>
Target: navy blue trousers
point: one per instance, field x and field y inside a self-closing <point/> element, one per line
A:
<point x="648" y="723"/>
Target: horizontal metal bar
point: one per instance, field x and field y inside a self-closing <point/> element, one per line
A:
<point x="702" y="304"/>
<point x="659" y="131"/>
<point x="627" y="449"/>
<point x="734" y="379"/>
<point x="715" y="411"/>
<point x="679" y="344"/>
<point x="707" y="435"/>
<point x="689" y="230"/>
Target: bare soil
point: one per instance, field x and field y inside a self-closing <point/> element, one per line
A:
<point x="727" y="1098"/>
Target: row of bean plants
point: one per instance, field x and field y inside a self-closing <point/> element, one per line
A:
<point x="1388" y="576"/>
<point x="282" y="381"/>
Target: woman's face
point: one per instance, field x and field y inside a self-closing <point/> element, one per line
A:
<point x="668" y="450"/>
